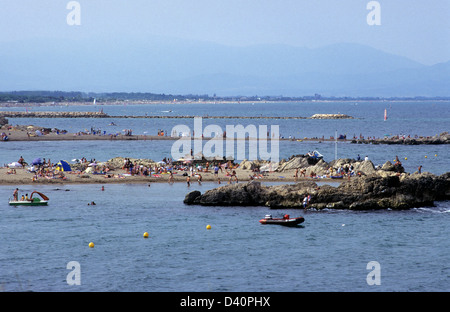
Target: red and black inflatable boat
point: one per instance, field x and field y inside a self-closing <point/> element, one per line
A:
<point x="286" y="220"/>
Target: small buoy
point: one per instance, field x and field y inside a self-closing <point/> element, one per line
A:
<point x="208" y="227"/>
<point x="343" y="224"/>
<point x="435" y="155"/>
<point x="406" y="158"/>
<point x="91" y="245"/>
<point x="145" y="235"/>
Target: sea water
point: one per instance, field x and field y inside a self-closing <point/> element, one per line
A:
<point x="330" y="251"/>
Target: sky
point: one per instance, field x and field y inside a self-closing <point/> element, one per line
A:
<point x="417" y="29"/>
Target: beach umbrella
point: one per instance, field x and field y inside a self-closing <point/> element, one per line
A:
<point x="14" y="164"/>
<point x="92" y="165"/>
<point x="76" y="160"/>
<point x="62" y="165"/>
<point x="37" y="161"/>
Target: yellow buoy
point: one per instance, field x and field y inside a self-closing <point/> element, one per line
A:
<point x="91" y="245"/>
<point x="208" y="227"/>
<point x="145" y="235"/>
<point x="435" y="155"/>
<point x="425" y="156"/>
<point x="406" y="158"/>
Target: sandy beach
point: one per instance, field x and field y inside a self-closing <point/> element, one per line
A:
<point x="23" y="177"/>
<point x="21" y="134"/>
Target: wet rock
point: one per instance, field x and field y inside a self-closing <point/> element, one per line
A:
<point x="191" y="197"/>
<point x="363" y="193"/>
<point x="3" y="121"/>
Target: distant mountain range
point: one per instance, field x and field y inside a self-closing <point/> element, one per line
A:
<point x="161" y="65"/>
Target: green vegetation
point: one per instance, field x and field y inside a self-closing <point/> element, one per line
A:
<point x="36" y="97"/>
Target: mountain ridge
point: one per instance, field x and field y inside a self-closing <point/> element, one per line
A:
<point x="172" y="66"/>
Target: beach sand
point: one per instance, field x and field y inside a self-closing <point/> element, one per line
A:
<point x="23" y="177"/>
<point x="22" y="135"/>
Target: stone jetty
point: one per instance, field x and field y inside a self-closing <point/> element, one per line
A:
<point x="331" y="116"/>
<point x="361" y="193"/>
<point x="443" y="138"/>
<point x="12" y="114"/>
<point x="54" y="115"/>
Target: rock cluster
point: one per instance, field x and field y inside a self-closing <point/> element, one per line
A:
<point x="3" y="121"/>
<point x="54" y="114"/>
<point x="362" y="193"/>
<point x="319" y="167"/>
<point x="331" y="116"/>
<point x="443" y="138"/>
<point x="118" y="162"/>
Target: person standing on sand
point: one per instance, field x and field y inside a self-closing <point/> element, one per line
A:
<point x="216" y="170"/>
<point x="21" y="161"/>
<point x="419" y="169"/>
<point x="296" y="175"/>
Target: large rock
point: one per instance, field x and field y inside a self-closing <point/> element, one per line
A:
<point x="298" y="161"/>
<point x="241" y="194"/>
<point x="118" y="162"/>
<point x="3" y="121"/>
<point x="368" y="192"/>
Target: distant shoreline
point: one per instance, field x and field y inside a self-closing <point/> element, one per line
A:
<point x="208" y="102"/>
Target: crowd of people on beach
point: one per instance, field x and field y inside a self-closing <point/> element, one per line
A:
<point x="190" y="169"/>
<point x="185" y="168"/>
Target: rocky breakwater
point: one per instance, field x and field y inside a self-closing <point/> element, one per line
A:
<point x="443" y="138"/>
<point x="361" y="193"/>
<point x="54" y="115"/>
<point x="330" y="116"/>
<point x="318" y="168"/>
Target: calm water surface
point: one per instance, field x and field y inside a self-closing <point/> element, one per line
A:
<point x="328" y="252"/>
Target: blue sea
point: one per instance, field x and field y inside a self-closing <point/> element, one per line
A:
<point x="333" y="250"/>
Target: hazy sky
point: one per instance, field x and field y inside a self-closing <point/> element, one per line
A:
<point x="417" y="29"/>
